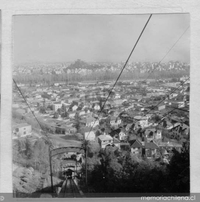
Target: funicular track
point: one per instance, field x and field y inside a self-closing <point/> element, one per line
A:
<point x="69" y="189"/>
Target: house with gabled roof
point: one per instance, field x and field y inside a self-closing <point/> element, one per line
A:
<point x="150" y="149"/>
<point x="115" y="121"/>
<point x="91" y="121"/>
<point x="89" y="134"/>
<point x="153" y="133"/>
<point x="97" y="107"/>
<point x="129" y="126"/>
<point x="178" y="130"/>
<point x="136" y="146"/>
<point x="123" y="135"/>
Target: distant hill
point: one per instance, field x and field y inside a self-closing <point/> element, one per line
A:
<point x="79" y="64"/>
<point x="80" y="70"/>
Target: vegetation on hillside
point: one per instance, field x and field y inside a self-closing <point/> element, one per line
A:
<point x="122" y="172"/>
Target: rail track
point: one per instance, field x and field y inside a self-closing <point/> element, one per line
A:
<point x="69" y="189"/>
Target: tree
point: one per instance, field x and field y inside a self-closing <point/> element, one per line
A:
<point x="28" y="152"/>
<point x="79" y="136"/>
<point x="50" y="107"/>
<point x="63" y="108"/>
<point x="18" y="150"/>
<point x="156" y="118"/>
<point x="56" y="115"/>
<point x="40" y="155"/>
<point x="93" y="148"/>
<point x="77" y="122"/>
<point x="59" y="111"/>
<point x="179" y="170"/>
<point x="121" y="172"/>
<point x="23" y="151"/>
<point x="65" y="115"/>
<point x="98" y="132"/>
<point x="42" y="110"/>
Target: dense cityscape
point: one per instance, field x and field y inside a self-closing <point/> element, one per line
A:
<point x="132" y="135"/>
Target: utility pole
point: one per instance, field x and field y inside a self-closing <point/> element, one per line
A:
<point x="86" y="181"/>
<point x="51" y="174"/>
<point x="50" y="162"/>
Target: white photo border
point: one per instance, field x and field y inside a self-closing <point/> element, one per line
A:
<point x="10" y="8"/>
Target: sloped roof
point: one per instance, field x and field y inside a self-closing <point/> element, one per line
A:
<point x="136" y="144"/>
<point x="105" y="137"/>
<point x="150" y="145"/>
<point x="115" y="140"/>
<point x="170" y="144"/>
<point x="112" y="118"/>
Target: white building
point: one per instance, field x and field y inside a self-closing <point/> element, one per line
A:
<point x="153" y="134"/>
<point x="56" y="106"/>
<point x="142" y="123"/>
<point x="72" y="114"/>
<point x="90" y="136"/>
<point x="105" y="140"/>
<point x="117" y="96"/>
<point x="122" y="136"/>
<point x="74" y="108"/>
<point x="22" y="130"/>
<point x="81" y="113"/>
<point x="161" y="107"/>
<point x="97" y="107"/>
<point x="115" y="121"/>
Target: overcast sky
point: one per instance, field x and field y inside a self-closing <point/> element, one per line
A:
<point x="99" y="38"/>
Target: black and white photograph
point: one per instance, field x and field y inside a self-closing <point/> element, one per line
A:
<point x="100" y="105"/>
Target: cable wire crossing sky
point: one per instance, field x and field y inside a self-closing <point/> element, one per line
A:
<point x="100" y="38"/>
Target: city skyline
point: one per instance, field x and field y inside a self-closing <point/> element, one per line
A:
<point x="99" y="38"/>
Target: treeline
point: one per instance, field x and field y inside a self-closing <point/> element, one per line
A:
<point x="34" y="153"/>
<point x="31" y="154"/>
<point x="115" y="172"/>
<point x="49" y="79"/>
